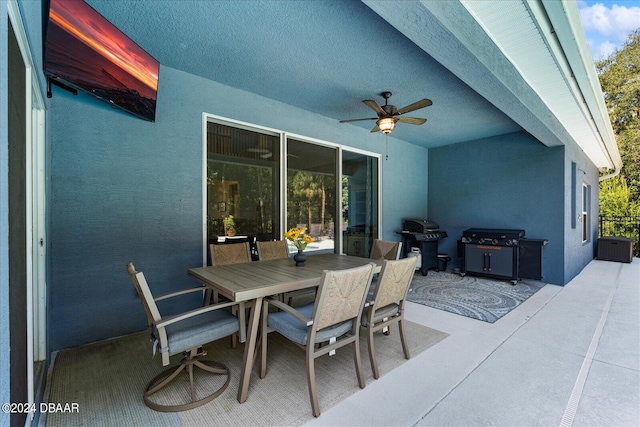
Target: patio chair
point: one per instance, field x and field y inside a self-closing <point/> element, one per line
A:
<point x="386" y="305"/>
<point x="315" y="230"/>
<point x="231" y="253"/>
<point x="384" y="249"/>
<point x="333" y="319"/>
<point x="183" y="333"/>
<point x="272" y="250"/>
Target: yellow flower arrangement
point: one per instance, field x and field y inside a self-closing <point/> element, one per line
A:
<point x="298" y="237"/>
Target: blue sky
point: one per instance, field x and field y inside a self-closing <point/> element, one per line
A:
<point x="607" y="23"/>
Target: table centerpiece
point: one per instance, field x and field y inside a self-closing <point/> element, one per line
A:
<point x="300" y="240"/>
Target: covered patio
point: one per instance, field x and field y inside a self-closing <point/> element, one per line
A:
<point x="522" y="370"/>
<point x="516" y="138"/>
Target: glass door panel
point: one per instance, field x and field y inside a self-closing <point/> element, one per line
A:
<point x="243" y="180"/>
<point x="359" y="203"/>
<point x="311" y="192"/>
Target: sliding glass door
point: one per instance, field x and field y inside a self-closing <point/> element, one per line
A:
<point x="360" y="205"/>
<point x="311" y="192"/>
<point x="260" y="182"/>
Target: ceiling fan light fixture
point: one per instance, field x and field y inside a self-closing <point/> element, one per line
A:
<point x="386" y="124"/>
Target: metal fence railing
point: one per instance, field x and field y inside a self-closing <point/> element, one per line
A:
<point x="621" y="226"/>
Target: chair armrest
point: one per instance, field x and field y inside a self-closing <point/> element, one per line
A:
<point x="178" y="293"/>
<point x="177" y="318"/>
<point x="292" y="311"/>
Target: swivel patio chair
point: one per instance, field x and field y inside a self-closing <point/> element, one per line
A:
<point x="183" y="333"/>
<point x="333" y="319"/>
<point x="386" y="305"/>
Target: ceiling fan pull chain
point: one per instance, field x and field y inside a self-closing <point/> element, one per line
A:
<point x="386" y="141"/>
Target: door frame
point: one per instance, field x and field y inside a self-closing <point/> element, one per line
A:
<point x="35" y="206"/>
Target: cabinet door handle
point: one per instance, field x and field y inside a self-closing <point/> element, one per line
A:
<point x="489" y="261"/>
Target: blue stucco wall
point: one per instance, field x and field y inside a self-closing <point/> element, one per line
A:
<point x="123" y="189"/>
<point x="577" y="253"/>
<point x="509" y="181"/>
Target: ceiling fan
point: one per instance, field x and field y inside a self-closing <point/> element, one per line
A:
<point x="389" y="115"/>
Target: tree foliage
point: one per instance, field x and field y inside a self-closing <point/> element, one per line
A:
<point x="619" y="76"/>
<point x="615" y="199"/>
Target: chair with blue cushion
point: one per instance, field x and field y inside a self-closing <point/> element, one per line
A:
<point x="183" y="333"/>
<point x="332" y="321"/>
<point x="385" y="306"/>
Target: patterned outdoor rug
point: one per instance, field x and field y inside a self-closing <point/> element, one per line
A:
<point x="479" y="298"/>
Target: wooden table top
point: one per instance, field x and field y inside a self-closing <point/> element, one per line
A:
<point x="242" y="282"/>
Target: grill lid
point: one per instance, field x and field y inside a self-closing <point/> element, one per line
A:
<point x="420" y="225"/>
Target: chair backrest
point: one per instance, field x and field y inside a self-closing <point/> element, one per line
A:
<point x="272" y="250"/>
<point x="142" y="288"/>
<point x="383" y="249"/>
<point x="393" y="281"/>
<point x="235" y="253"/>
<point x="341" y="295"/>
<point x="315" y="230"/>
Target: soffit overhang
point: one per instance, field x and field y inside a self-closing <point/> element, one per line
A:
<point x="528" y="58"/>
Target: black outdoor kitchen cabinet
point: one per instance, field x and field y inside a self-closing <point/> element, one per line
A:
<point x="531" y="258"/>
<point x="501" y="253"/>
<point x="492" y="261"/>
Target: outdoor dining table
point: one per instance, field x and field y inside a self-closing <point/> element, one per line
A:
<point x="255" y="280"/>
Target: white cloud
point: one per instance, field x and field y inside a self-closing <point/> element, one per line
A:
<point x="605" y="49"/>
<point x="612" y="23"/>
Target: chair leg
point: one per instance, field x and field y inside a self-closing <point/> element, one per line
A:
<point x="263" y="340"/>
<point x="207" y="297"/>
<point x="166" y="376"/>
<point x="193" y="389"/>
<point x="358" y="362"/>
<point x="372" y="353"/>
<point x="403" y="339"/>
<point x="311" y="379"/>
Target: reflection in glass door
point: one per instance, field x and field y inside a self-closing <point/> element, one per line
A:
<point x="243" y="181"/>
<point x="359" y="203"/>
<point x="311" y="192"/>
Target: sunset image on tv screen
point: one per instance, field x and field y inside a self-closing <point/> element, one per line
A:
<point x="85" y="51"/>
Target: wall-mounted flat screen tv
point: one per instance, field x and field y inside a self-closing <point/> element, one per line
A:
<point x="84" y="51"/>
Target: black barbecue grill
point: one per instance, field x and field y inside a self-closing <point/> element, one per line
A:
<point x="423" y="234"/>
<point x="501" y="253"/>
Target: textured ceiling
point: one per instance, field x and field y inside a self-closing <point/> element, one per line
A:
<point x="321" y="56"/>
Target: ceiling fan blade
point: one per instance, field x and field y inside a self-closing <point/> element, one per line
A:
<point x="358" y="120"/>
<point x="374" y="106"/>
<point x="375" y="129"/>
<point x="411" y="120"/>
<point x="415" y="106"/>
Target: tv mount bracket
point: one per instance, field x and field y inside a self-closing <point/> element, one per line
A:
<point x="59" y="84"/>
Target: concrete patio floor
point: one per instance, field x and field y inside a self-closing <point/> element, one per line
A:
<point x="567" y="356"/>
